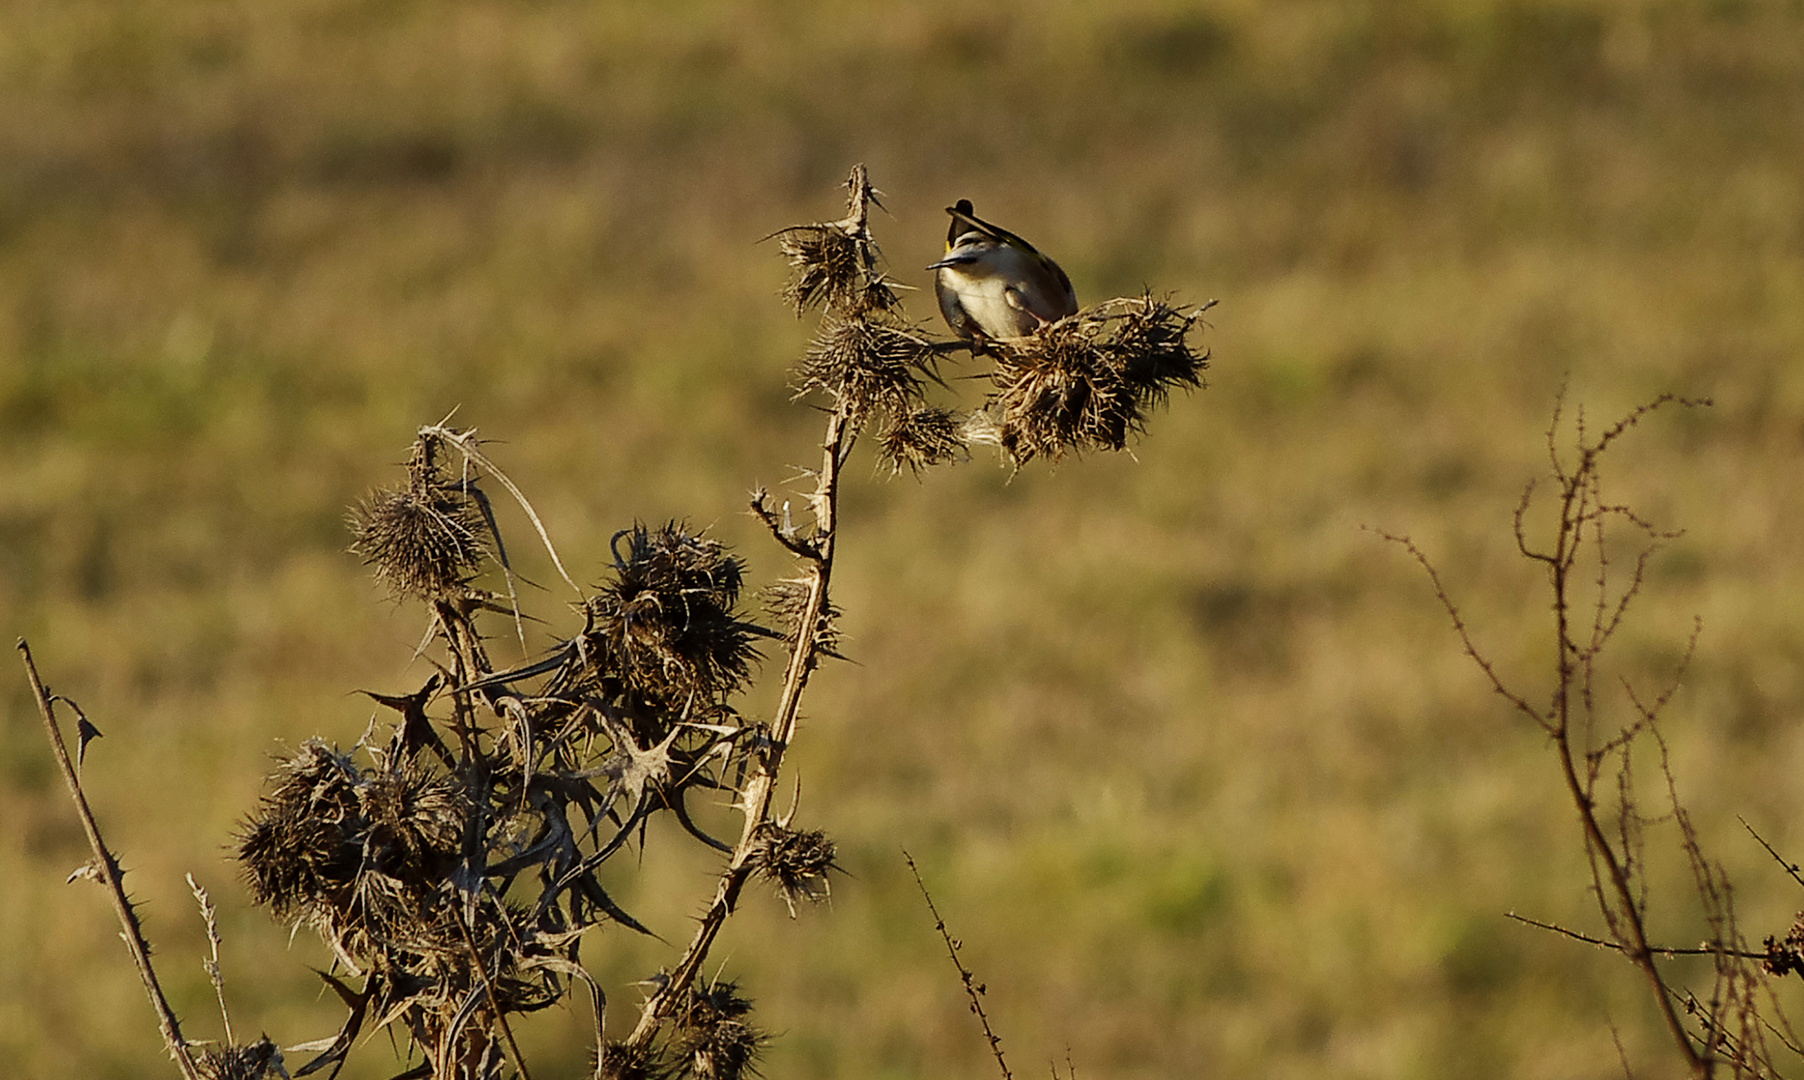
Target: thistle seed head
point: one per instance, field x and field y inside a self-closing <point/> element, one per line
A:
<point x="426" y="540"/>
<point x="666" y="625"/>
<point x="715" y="1034"/>
<point x="260" y="1060"/>
<point x="1087" y="382"/>
<point x="797" y="863"/>
<point x="920" y="438"/>
<point x="646" y="1061"/>
<point x="865" y="365"/>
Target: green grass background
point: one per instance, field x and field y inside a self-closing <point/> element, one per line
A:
<point x="1192" y="762"/>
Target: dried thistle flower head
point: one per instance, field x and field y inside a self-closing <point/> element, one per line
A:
<point x="921" y="438"/>
<point x="261" y="1060"/>
<point x="667" y="625"/>
<point x="644" y="1061"/>
<point x="1088" y="381"/>
<point x="425" y="540"/>
<point x="787" y="599"/>
<point x="867" y="365"/>
<point x="835" y="268"/>
<point x="298" y="849"/>
<point x="715" y="1034"/>
<point x="355" y="853"/>
<point x="835" y="263"/>
<point x="797" y="863"/>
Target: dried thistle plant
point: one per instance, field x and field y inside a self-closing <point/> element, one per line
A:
<point x="451" y="862"/>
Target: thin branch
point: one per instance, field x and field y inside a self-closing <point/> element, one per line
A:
<point x="1791" y="868"/>
<point x="108" y="867"/>
<point x="210" y="917"/>
<point x="1460" y="628"/>
<point x="973" y="990"/>
<point x="1662" y="951"/>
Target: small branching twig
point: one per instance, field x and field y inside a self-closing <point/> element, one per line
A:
<point x="1665" y="952"/>
<point x="1728" y="1029"/>
<point x="210" y="917"/>
<point x="973" y="989"/>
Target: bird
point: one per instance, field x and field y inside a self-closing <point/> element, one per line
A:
<point x="993" y="284"/>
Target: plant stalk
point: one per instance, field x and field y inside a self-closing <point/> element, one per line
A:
<point x="109" y="871"/>
<point x="756" y="799"/>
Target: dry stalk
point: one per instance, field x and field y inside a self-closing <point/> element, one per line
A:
<point x="816" y="554"/>
<point x="973" y="989"/>
<point x="107" y="868"/>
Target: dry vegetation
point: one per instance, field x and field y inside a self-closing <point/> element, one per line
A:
<point x="451" y="861"/>
<point x="1186" y="756"/>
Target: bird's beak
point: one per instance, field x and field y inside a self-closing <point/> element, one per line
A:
<point x="958" y="256"/>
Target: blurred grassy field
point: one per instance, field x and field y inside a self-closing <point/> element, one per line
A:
<point x="1192" y="762"/>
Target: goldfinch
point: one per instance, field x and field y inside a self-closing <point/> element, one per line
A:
<point x="993" y="284"/>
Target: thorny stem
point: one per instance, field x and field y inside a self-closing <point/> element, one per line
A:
<point x="109" y="870"/>
<point x="755" y="800"/>
<point x="973" y="990"/>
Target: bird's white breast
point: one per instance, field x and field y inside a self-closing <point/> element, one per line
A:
<point x="983" y="289"/>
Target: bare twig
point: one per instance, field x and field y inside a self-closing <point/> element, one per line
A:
<point x="973" y="989"/>
<point x="210" y="917"/>
<point x="1662" y="951"/>
<point x="1569" y="720"/>
<point x="1791" y="868"/>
